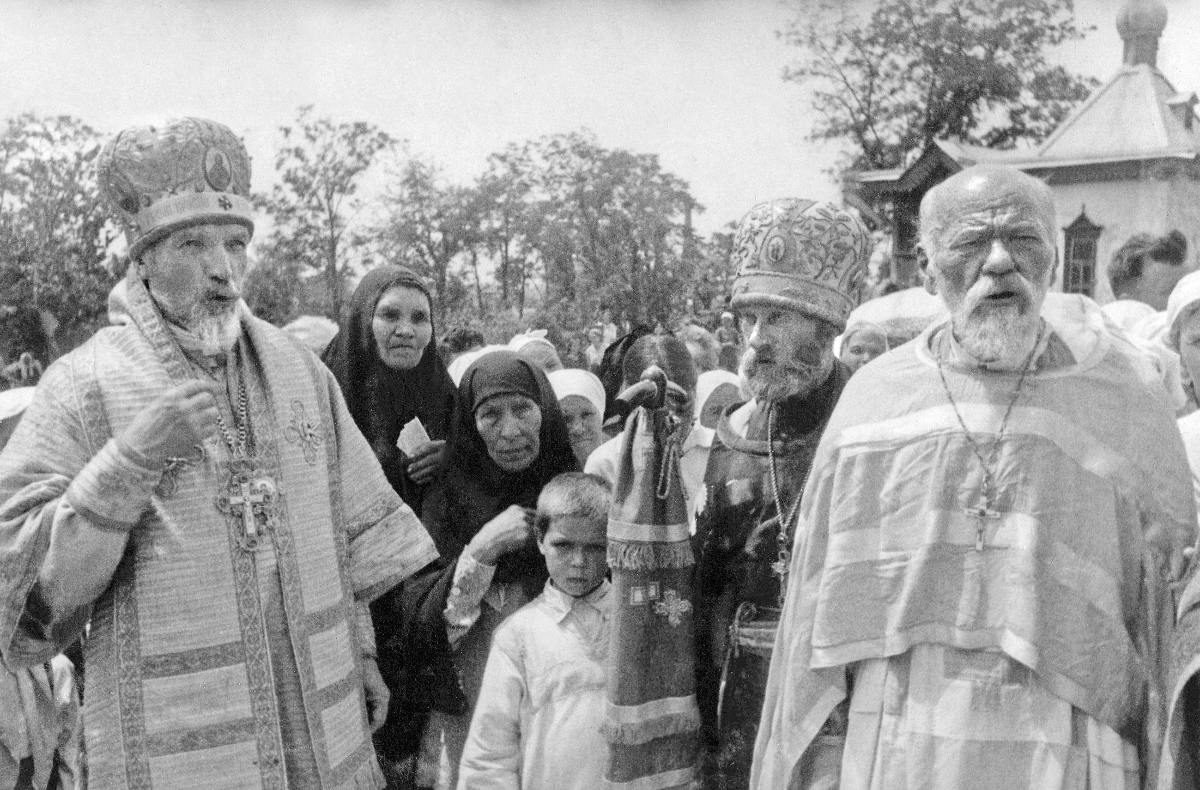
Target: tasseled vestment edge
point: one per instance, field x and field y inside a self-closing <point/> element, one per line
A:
<point x="637" y="556"/>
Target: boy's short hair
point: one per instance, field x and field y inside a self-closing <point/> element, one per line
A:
<point x="572" y="494"/>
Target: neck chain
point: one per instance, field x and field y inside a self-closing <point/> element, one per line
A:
<point x="985" y="510"/>
<point x="783" y="539"/>
<point x="241" y="418"/>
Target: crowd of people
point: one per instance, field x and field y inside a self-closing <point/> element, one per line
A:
<point x="944" y="547"/>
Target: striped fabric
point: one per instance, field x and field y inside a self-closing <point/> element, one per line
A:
<point x="180" y="679"/>
<point x="652" y="722"/>
<point x="1090" y="471"/>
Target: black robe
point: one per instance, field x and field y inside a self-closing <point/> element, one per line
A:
<point x="737" y="539"/>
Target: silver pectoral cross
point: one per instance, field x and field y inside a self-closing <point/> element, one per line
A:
<point x="984" y="513"/>
<point x="250" y="495"/>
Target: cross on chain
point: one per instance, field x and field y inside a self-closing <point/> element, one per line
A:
<point x="673" y="607"/>
<point x="245" y="493"/>
<point x="984" y="514"/>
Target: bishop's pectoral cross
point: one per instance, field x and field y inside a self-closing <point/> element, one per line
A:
<point x="250" y="495"/>
<point x="984" y="513"/>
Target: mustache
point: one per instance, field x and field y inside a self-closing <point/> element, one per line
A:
<point x="807" y="359"/>
<point x="978" y="295"/>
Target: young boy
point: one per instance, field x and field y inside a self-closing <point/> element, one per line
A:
<point x="537" y="723"/>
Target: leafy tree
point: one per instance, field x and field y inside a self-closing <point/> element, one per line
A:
<point x="606" y="227"/>
<point x="429" y="225"/>
<point x="315" y="208"/>
<point x="913" y="71"/>
<point x="506" y="222"/>
<point x="54" y="233"/>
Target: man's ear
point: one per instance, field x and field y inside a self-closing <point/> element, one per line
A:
<point x="923" y="265"/>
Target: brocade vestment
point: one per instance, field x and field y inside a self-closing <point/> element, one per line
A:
<point x="1024" y="648"/>
<point x="208" y="664"/>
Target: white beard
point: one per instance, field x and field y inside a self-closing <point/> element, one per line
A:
<point x="216" y="332"/>
<point x="998" y="336"/>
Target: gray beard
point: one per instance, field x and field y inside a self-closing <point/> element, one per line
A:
<point x="996" y="336"/>
<point x="217" y="333"/>
<point x="797" y="380"/>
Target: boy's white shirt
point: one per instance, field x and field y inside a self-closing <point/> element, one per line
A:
<point x="537" y="722"/>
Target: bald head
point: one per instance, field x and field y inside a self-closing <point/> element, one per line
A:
<point x="988" y="234"/>
<point x="979" y="188"/>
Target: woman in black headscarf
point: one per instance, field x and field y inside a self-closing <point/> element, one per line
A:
<point x="385" y="359"/>
<point x="508" y="440"/>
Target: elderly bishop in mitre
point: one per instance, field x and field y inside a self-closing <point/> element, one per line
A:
<point x="987" y="545"/>
<point x="190" y="482"/>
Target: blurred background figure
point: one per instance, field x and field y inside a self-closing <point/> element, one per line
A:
<point x="595" y="348"/>
<point x="534" y="346"/>
<point x="702" y="345"/>
<point x="611" y="330"/>
<point x="861" y="343"/>
<point x="727" y="332"/>
<point x="314" y="331"/>
<point x="716" y="389"/>
<point x="581" y="398"/>
<point x="1182" y="333"/>
<point x="458" y="341"/>
<point x="25" y="372"/>
<point x="612" y="376"/>
<point x="1145" y="270"/>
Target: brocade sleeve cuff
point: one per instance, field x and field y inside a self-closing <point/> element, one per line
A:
<point x="114" y="488"/>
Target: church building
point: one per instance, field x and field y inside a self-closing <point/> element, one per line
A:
<point x="1126" y="161"/>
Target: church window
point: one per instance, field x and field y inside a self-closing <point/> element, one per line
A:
<point x="1079" y="256"/>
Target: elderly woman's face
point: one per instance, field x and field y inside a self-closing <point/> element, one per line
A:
<point x="584" y="425"/>
<point x="1189" y="349"/>
<point x="402" y="327"/>
<point x="510" y="425"/>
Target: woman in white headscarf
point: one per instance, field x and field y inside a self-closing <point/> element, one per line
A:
<point x="534" y="346"/>
<point x="1183" y="336"/>
<point x="581" y="398"/>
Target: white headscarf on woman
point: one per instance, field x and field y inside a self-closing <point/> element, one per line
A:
<point x="573" y="381"/>
<point x="459" y="366"/>
<point x="1183" y="300"/>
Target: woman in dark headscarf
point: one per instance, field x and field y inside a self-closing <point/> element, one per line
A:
<point x="508" y="440"/>
<point x="385" y="359"/>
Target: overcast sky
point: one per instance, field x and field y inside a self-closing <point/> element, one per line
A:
<point x="695" y="81"/>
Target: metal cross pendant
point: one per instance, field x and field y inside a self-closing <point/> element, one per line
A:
<point x="249" y="496"/>
<point x="983" y="513"/>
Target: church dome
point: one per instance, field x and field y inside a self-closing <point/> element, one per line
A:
<point x="1138" y="18"/>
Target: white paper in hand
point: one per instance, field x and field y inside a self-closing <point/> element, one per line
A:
<point x="412" y="436"/>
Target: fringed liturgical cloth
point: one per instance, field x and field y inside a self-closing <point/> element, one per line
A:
<point x="652" y="721"/>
